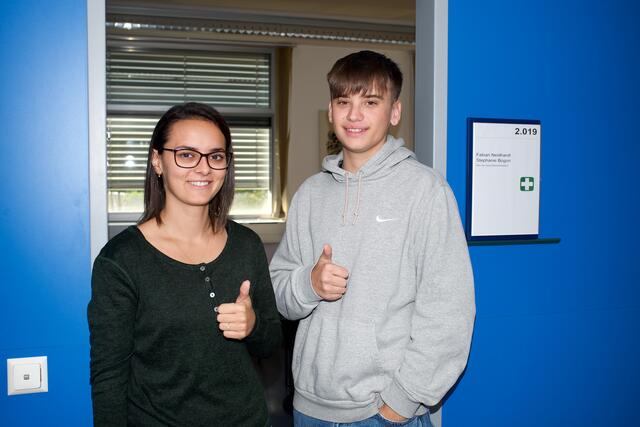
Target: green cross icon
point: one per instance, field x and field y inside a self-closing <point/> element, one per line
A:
<point x="526" y="183"/>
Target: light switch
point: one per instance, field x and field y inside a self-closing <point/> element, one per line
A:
<point x="27" y="375"/>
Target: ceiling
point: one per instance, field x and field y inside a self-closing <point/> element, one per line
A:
<point x="400" y="12"/>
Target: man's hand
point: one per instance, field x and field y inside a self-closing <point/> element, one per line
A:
<point x="389" y="414"/>
<point x="236" y="320"/>
<point x="329" y="280"/>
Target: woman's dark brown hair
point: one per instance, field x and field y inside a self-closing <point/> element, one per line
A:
<point x="154" y="193"/>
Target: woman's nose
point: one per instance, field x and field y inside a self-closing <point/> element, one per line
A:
<point x="203" y="166"/>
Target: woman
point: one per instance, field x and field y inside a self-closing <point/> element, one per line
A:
<point x="182" y="301"/>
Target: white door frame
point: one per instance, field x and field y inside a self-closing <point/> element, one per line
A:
<point x="432" y="45"/>
<point x="96" y="46"/>
<point x="430" y="106"/>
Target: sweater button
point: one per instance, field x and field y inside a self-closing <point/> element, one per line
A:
<point x="207" y="279"/>
<point x="212" y="295"/>
<point x="202" y="268"/>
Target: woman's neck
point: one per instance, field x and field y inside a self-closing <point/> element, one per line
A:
<point x="186" y="223"/>
<point x="185" y="235"/>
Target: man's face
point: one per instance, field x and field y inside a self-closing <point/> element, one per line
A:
<point x="361" y="121"/>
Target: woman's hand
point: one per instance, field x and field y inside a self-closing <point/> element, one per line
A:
<point x="237" y="320"/>
<point x="387" y="413"/>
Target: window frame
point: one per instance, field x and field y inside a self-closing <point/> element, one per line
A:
<point x="145" y="44"/>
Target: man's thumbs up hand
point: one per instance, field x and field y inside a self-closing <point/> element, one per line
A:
<point x="329" y="280"/>
<point x="326" y="254"/>
<point x="237" y="320"/>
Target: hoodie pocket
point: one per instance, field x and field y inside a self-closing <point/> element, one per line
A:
<point x="337" y="360"/>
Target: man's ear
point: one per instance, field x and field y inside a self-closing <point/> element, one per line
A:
<point x="396" y="113"/>
<point x="330" y="113"/>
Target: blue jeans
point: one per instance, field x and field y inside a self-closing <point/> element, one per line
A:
<point x="302" y="420"/>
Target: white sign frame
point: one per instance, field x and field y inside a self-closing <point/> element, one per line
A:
<point x="503" y="179"/>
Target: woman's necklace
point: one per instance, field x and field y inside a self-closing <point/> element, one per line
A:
<point x="193" y="253"/>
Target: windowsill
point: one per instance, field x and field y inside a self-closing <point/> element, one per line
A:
<point x="270" y="230"/>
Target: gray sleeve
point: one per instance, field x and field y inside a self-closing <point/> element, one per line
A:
<point x="290" y="274"/>
<point x="444" y="313"/>
<point x="267" y="332"/>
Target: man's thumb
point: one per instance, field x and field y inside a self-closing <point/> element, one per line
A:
<point x="244" y="292"/>
<point x="326" y="253"/>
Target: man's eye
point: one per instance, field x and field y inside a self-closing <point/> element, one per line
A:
<point x="372" y="103"/>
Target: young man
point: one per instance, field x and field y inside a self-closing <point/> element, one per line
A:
<point x="375" y="265"/>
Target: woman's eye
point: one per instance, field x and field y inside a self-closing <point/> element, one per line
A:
<point x="185" y="154"/>
<point x="217" y="156"/>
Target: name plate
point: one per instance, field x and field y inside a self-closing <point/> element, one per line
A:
<point x="503" y="179"/>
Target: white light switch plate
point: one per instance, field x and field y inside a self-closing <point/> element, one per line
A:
<point x="27" y="375"/>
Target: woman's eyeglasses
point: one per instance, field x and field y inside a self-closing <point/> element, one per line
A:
<point x="188" y="158"/>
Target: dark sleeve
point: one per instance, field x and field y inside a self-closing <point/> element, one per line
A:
<point x="111" y="314"/>
<point x="267" y="333"/>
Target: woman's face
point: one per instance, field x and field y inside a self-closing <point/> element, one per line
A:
<point x="196" y="186"/>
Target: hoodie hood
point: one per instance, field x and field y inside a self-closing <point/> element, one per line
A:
<point x="391" y="153"/>
<point x="378" y="166"/>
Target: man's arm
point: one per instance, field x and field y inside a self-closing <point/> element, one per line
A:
<point x="290" y="271"/>
<point x="444" y="310"/>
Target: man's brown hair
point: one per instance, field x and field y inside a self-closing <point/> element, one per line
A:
<point x="362" y="72"/>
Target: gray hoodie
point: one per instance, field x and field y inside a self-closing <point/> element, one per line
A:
<point x="401" y="332"/>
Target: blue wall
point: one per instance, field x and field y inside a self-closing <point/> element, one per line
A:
<point x="557" y="338"/>
<point x="44" y="207"/>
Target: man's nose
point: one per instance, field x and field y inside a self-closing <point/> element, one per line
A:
<point x="354" y="113"/>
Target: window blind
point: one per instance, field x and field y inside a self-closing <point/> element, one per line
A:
<point x="163" y="79"/>
<point x="143" y="82"/>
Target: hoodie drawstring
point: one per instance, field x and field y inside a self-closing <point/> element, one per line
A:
<point x="345" y="209"/>
<point x="356" y="211"/>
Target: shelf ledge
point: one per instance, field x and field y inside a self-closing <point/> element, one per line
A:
<point x="545" y="241"/>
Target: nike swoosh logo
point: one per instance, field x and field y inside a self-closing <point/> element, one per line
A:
<point x="384" y="219"/>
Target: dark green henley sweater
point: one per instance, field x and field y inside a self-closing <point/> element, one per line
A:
<point x="157" y="355"/>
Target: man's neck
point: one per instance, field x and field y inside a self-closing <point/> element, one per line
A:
<point x="353" y="162"/>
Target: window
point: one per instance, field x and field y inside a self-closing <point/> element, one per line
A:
<point x="146" y="78"/>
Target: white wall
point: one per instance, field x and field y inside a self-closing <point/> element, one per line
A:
<point x="310" y="95"/>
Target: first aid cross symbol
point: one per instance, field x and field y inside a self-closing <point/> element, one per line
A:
<point x="526" y="183"/>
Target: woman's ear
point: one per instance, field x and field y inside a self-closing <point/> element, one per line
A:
<point x="155" y="162"/>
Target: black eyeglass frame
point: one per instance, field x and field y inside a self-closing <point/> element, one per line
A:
<point x="175" y="151"/>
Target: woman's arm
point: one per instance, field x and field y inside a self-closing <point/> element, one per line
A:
<point x="111" y="314"/>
